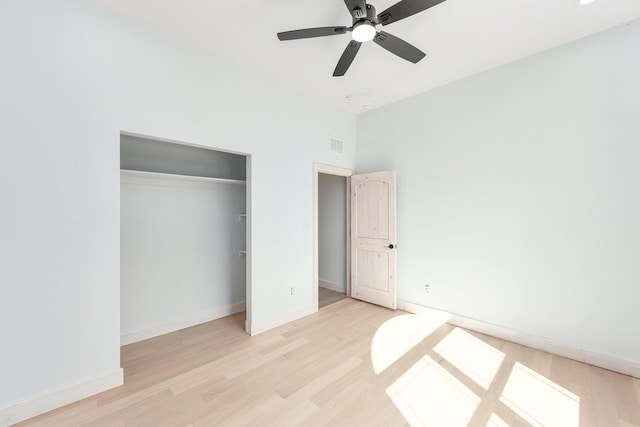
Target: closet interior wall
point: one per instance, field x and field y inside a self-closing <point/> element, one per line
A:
<point x="332" y="232"/>
<point x="183" y="236"/>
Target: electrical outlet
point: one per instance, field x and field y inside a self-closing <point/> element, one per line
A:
<point x="293" y="291"/>
<point x="426" y="288"/>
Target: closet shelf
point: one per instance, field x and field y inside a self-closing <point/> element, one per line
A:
<point x="130" y="172"/>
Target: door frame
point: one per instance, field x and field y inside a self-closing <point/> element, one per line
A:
<point x="319" y="168"/>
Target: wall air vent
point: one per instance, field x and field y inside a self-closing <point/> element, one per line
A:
<point x="336" y="145"/>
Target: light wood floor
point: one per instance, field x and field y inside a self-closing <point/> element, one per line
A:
<point x="321" y="370"/>
<point x="327" y="297"/>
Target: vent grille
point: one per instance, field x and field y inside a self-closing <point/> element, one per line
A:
<point x="336" y="145"/>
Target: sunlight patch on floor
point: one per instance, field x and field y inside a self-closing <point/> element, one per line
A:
<point x="539" y="400"/>
<point x="399" y="335"/>
<point x="496" y="421"/>
<point x="475" y="358"/>
<point x="428" y="395"/>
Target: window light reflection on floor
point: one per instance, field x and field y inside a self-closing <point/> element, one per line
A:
<point x="399" y="335"/>
<point x="475" y="358"/>
<point x="496" y="421"/>
<point x="428" y="395"/>
<point x="540" y="401"/>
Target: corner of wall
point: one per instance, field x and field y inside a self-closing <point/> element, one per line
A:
<point x="176" y="325"/>
<point x="255" y="328"/>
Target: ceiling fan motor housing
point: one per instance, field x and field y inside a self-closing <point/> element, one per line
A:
<point x="364" y="28"/>
<point x="369" y="17"/>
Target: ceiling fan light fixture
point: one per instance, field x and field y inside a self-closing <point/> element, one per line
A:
<point x="363" y="32"/>
<point x="364" y="23"/>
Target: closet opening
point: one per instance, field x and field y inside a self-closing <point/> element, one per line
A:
<point x="184" y="229"/>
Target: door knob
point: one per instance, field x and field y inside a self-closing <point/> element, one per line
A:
<point x="390" y="246"/>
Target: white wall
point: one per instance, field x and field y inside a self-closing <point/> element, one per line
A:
<point x="332" y="232"/>
<point x="73" y="77"/>
<point x="518" y="193"/>
<point x="179" y="250"/>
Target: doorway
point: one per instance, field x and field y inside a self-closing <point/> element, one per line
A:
<point x="183" y="236"/>
<point x="331" y="235"/>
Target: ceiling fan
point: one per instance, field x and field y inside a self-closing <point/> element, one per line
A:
<point x="363" y="30"/>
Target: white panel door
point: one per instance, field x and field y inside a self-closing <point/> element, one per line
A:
<point x="373" y="235"/>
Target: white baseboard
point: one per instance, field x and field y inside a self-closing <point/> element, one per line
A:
<point x="176" y="325"/>
<point x="258" y="327"/>
<point x="605" y="361"/>
<point x="61" y="397"/>
<point x="342" y="288"/>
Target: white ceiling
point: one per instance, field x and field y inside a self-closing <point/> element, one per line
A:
<point x="461" y="38"/>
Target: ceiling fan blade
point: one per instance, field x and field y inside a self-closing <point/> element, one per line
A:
<point x="399" y="47"/>
<point x="357" y="8"/>
<point x="404" y="9"/>
<point x="311" y="32"/>
<point x="347" y="58"/>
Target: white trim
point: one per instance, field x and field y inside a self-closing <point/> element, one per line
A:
<point x="338" y="287"/>
<point x="176" y="325"/>
<point x="56" y="399"/>
<point x="337" y="171"/>
<point x="255" y="328"/>
<point x="248" y="240"/>
<point x="612" y="363"/>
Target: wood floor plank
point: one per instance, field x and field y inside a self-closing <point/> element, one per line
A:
<point x="319" y="371"/>
<point x="252" y="412"/>
<point x="325" y="380"/>
<point x="257" y="361"/>
<point x="328" y="297"/>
